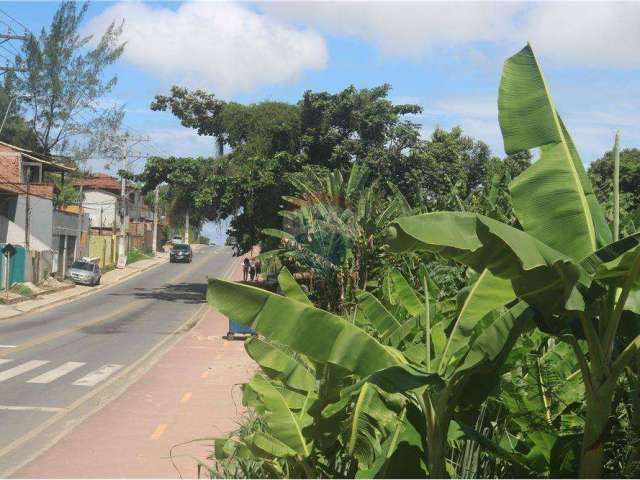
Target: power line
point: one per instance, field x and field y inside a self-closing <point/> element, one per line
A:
<point x="17" y="21"/>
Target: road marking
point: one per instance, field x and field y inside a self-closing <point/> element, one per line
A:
<point x="205" y="374"/>
<point x="19" y="408"/>
<point x="157" y="433"/>
<point x="8" y="346"/>
<point x="75" y="328"/>
<point x="150" y="358"/>
<point x="186" y="397"/>
<point x="95" y="377"/>
<point x="4" y="360"/>
<point x="20" y="369"/>
<point x="56" y="373"/>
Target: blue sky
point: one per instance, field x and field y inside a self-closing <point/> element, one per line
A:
<point x="444" y="56"/>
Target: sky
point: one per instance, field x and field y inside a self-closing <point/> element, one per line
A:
<point x="445" y="56"/>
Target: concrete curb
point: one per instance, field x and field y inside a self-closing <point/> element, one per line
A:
<point x="93" y="290"/>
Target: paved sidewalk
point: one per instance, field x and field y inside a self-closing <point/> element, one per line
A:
<point x="192" y="392"/>
<point x="110" y="278"/>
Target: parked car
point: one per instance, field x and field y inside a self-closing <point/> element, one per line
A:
<point x="176" y="239"/>
<point x="181" y="253"/>
<point x="85" y="273"/>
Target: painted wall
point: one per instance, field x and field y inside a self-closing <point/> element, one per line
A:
<point x="94" y="200"/>
<point x="41" y="224"/>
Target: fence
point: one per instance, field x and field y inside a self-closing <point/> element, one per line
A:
<point x="104" y="248"/>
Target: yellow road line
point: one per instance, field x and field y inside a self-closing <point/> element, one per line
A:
<point x="186" y="397"/>
<point x="157" y="433"/>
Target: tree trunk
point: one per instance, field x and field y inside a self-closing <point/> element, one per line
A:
<point x="595" y="431"/>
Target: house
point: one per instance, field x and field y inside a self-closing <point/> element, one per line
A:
<point x="46" y="236"/>
<point x="101" y="193"/>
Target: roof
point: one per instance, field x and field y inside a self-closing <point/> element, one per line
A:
<point x="47" y="160"/>
<point x="103" y="181"/>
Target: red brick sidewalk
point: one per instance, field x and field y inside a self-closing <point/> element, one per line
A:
<point x="192" y="392"/>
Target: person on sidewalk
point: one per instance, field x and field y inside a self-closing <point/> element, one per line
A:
<point x="245" y="269"/>
<point x="252" y="270"/>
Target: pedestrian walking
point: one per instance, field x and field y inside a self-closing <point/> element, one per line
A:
<point x="245" y="269"/>
<point x="252" y="270"/>
<point x="258" y="268"/>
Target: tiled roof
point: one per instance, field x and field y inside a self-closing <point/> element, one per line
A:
<point x="102" y="181"/>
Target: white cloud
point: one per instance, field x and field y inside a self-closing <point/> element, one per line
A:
<point x="598" y="34"/>
<point x="405" y="29"/>
<point x="220" y="45"/>
<point x="590" y="34"/>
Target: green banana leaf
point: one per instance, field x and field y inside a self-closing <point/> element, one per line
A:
<point x="542" y="276"/>
<point x="292" y="323"/>
<point x="405" y="295"/>
<point x="486" y="295"/>
<point x="284" y="425"/>
<point x="553" y="199"/>
<point x="290" y="287"/>
<point x="377" y="314"/>
<point x="283" y="366"/>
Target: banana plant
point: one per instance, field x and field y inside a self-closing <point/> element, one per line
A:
<point x="563" y="263"/>
<point x="455" y="371"/>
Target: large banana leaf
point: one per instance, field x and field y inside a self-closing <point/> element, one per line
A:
<point x="553" y="198"/>
<point x="286" y="368"/>
<point x="487" y="294"/>
<point x="405" y="295"/>
<point x="318" y="334"/>
<point x="284" y="424"/>
<point x="290" y="287"/>
<point x="382" y="320"/>
<point x="542" y="276"/>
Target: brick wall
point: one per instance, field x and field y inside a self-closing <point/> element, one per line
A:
<point x="10" y="179"/>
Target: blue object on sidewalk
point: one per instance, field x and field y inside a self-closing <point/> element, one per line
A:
<point x="235" y="327"/>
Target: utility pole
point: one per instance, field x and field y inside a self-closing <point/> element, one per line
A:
<point x="186" y="231"/>
<point x="124" y="211"/>
<point x="155" y="220"/>
<point x="27" y="226"/>
<point x="76" y="253"/>
<point x="122" y="259"/>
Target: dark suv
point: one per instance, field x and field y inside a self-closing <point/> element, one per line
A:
<point x="181" y="253"/>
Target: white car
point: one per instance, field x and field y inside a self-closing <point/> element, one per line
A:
<point x="176" y="239"/>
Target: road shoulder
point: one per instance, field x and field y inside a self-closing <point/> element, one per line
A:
<point x="191" y="392"/>
<point x="109" y="279"/>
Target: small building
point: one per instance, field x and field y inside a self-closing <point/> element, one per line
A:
<point x="102" y="201"/>
<point x="27" y="193"/>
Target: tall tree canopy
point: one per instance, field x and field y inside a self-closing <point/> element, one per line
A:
<point x="63" y="80"/>
<point x="601" y="172"/>
<point x="267" y="144"/>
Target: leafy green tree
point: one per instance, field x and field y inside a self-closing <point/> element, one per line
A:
<point x="601" y="173"/>
<point x="63" y="79"/>
<point x="16" y="130"/>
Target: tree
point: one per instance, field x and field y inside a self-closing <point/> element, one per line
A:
<point x="63" y="79"/>
<point x="16" y="130"/>
<point x="601" y="173"/>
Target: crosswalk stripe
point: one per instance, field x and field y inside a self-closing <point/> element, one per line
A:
<point x="20" y="369"/>
<point x="98" y="375"/>
<point x="4" y="360"/>
<point x="56" y="373"/>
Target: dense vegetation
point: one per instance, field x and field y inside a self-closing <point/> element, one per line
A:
<point x="438" y="323"/>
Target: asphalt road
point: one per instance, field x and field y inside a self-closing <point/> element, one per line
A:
<point x="52" y="360"/>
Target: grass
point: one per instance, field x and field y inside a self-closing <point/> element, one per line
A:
<point x="136" y="255"/>
<point x="22" y="289"/>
